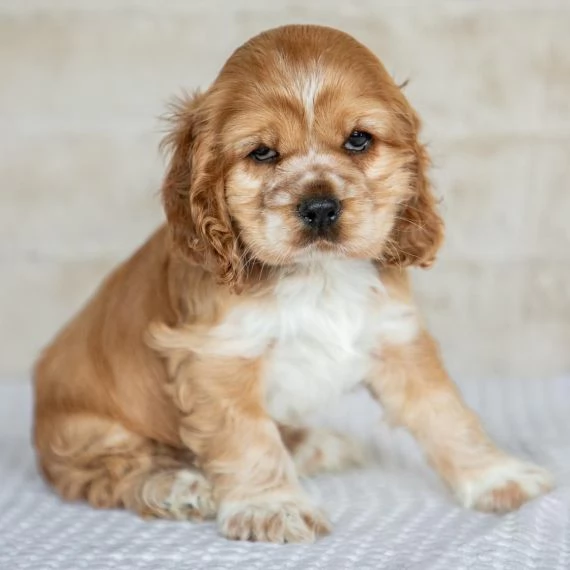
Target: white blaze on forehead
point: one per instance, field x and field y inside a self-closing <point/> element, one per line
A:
<point x="309" y="84"/>
<point x="307" y="81"/>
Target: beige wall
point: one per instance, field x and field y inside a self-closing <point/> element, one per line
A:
<point x="83" y="81"/>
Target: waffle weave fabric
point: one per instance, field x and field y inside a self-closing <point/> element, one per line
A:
<point x="394" y="515"/>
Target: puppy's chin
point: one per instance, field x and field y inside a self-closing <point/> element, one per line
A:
<point x="320" y="250"/>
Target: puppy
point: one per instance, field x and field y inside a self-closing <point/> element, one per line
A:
<point x="296" y="198"/>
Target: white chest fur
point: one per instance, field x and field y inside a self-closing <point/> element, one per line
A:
<point x="317" y="334"/>
<point x="325" y="338"/>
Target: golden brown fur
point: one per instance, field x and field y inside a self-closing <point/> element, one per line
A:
<point x="145" y="401"/>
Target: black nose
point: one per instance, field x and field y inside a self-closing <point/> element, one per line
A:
<point x="319" y="213"/>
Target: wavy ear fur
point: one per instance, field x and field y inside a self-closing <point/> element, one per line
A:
<point x="418" y="232"/>
<point x="193" y="193"/>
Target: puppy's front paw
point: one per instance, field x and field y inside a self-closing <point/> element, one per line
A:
<point x="272" y="519"/>
<point x="503" y="486"/>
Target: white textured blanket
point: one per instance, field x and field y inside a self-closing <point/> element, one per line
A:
<point x="395" y="516"/>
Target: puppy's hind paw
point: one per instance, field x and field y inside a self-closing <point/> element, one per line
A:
<point x="324" y="450"/>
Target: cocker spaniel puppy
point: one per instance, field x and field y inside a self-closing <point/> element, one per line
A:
<point x="296" y="198"/>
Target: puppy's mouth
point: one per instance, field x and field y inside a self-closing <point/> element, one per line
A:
<point x="325" y="240"/>
<point x="311" y="246"/>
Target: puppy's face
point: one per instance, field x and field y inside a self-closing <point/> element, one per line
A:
<point x="317" y="151"/>
<point x="318" y="164"/>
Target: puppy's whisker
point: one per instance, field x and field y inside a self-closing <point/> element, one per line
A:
<point x="414" y="223"/>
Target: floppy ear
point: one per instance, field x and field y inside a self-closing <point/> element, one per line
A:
<point x="193" y="194"/>
<point x="418" y="231"/>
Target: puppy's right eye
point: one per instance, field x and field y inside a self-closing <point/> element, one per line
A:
<point x="264" y="154"/>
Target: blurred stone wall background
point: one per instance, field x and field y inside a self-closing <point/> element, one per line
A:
<point x="82" y="83"/>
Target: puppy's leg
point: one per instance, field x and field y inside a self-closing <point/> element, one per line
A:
<point x="96" y="459"/>
<point x="240" y="449"/>
<point x="411" y="383"/>
<point x="317" y="450"/>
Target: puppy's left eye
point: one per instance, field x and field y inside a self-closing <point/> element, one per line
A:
<point x="358" y="141"/>
<point x="264" y="154"/>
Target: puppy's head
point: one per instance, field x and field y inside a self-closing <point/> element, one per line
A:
<point x="302" y="148"/>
